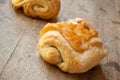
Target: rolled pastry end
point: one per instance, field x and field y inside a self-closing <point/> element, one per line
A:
<point x="73" y="46"/>
<point x="45" y="9"/>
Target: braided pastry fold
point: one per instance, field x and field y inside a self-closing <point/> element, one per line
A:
<point x="45" y="9"/>
<point x="73" y="46"/>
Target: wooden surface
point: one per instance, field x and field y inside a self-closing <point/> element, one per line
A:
<point x="20" y="60"/>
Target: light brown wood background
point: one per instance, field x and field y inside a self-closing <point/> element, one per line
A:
<point x="20" y="60"/>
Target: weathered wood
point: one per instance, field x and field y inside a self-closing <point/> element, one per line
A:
<point x="20" y="60"/>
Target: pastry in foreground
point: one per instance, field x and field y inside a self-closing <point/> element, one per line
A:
<point x="45" y="9"/>
<point x="73" y="46"/>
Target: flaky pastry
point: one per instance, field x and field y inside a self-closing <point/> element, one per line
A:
<point x="73" y="46"/>
<point x="45" y="9"/>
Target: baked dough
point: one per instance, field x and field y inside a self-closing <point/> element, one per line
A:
<point x="45" y="9"/>
<point x="73" y="46"/>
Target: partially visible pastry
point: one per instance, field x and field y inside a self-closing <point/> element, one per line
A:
<point x="45" y="9"/>
<point x="73" y="46"/>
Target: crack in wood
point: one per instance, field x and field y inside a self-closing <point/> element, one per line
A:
<point x="12" y="53"/>
<point x="119" y="12"/>
<point x="113" y="64"/>
<point x="115" y="22"/>
<point x="102" y="9"/>
<point x="82" y="8"/>
<point x="116" y="37"/>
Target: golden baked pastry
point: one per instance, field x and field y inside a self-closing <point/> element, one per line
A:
<point x="73" y="46"/>
<point x="45" y="9"/>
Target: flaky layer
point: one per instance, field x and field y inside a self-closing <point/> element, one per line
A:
<point x="45" y="9"/>
<point x="77" y="32"/>
<point x="55" y="49"/>
<point x="73" y="46"/>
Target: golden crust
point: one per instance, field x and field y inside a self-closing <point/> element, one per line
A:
<point x="45" y="9"/>
<point x="57" y="47"/>
<point x="77" y="32"/>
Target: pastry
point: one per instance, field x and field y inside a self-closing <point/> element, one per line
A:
<point x="73" y="46"/>
<point x="45" y="9"/>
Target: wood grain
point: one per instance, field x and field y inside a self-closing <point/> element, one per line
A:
<point x="20" y="60"/>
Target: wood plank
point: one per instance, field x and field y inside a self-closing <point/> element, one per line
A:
<point x="20" y="60"/>
<point x="108" y="31"/>
<point x="11" y="30"/>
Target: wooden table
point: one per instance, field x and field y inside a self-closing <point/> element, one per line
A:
<point x="19" y="57"/>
